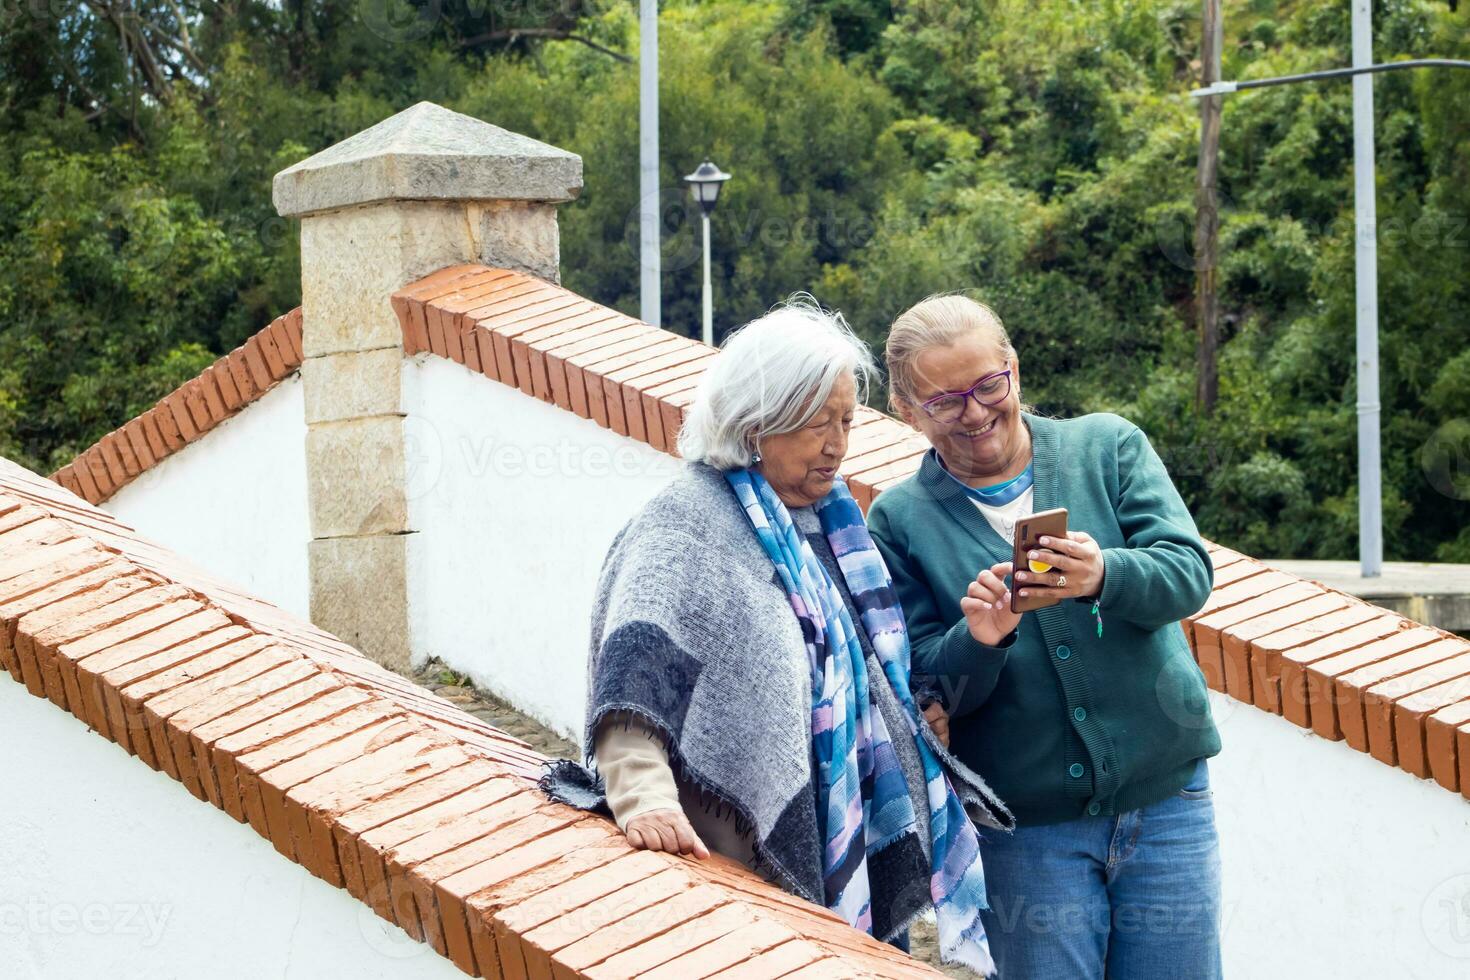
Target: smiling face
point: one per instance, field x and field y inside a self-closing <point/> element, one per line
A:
<point x="987" y="443"/>
<point x="801" y="465"/>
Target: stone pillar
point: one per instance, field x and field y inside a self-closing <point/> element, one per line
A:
<point x="419" y="191"/>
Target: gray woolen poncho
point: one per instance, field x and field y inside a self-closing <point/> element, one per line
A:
<point x="693" y="634"/>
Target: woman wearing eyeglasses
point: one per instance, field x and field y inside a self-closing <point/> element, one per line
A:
<point x="1089" y="717"/>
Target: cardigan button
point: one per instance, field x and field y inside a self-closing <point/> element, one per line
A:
<point x="1080" y="714"/>
<point x="1093" y="809"/>
<point x="1063" y="652"/>
<point x="1076" y="770"/>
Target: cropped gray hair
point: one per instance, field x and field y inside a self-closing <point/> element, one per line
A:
<point x="771" y="377"/>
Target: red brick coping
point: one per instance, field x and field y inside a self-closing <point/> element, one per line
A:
<point x="1344" y="668"/>
<point x="221" y="390"/>
<point x="1323" y="659"/>
<point x="623" y="374"/>
<point x="367" y="780"/>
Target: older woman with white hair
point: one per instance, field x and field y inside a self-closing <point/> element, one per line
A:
<point x="749" y="673"/>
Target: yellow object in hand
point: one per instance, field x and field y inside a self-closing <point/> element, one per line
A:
<point x="1038" y="566"/>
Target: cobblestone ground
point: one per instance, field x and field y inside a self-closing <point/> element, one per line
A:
<point x="457" y="689"/>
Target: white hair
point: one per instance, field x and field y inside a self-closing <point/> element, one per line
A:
<point x="772" y="376"/>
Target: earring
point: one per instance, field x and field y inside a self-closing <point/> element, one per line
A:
<point x="755" y="457"/>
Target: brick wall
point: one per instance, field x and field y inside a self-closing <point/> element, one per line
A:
<point x="371" y="783"/>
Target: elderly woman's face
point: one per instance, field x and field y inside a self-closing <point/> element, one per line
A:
<point x="984" y="440"/>
<point x="801" y="465"/>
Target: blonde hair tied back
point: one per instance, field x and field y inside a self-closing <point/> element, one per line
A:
<point x="940" y="320"/>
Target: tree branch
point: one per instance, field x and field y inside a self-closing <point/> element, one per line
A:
<point x="100" y="106"/>
<point x="182" y="43"/>
<point x="136" y="48"/>
<point x="546" y="33"/>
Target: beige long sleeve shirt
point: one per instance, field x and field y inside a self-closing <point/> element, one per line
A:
<point x="635" y="768"/>
<point x="638" y="779"/>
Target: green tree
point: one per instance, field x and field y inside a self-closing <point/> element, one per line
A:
<point x="1039" y="156"/>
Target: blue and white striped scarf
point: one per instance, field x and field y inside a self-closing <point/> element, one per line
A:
<point x="863" y="802"/>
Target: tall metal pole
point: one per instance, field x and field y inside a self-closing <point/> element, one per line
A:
<point x="1365" y="235"/>
<point x="1207" y="215"/>
<point x="648" y="237"/>
<point x="1370" y="475"/>
<point x="709" y="303"/>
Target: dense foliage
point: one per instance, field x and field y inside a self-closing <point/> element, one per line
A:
<point x="1040" y="155"/>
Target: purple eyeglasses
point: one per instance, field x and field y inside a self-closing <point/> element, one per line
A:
<point x="989" y="390"/>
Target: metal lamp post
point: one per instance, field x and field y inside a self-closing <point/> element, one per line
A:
<point x="704" y="185"/>
<point x="649" y="300"/>
<point x="1370" y="476"/>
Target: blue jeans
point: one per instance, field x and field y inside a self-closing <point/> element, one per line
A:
<point x="1130" y="897"/>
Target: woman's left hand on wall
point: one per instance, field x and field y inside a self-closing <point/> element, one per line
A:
<point x="665" y="830"/>
<point x="1077" y="560"/>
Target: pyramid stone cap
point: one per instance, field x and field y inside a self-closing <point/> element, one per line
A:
<point x="428" y="153"/>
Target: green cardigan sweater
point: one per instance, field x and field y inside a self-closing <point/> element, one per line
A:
<point x="1061" y="723"/>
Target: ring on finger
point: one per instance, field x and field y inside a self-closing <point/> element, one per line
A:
<point x="1061" y="581"/>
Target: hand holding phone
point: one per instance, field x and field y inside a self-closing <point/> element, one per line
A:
<point x="985" y="605"/>
<point x="1029" y="531"/>
<point x="1055" y="566"/>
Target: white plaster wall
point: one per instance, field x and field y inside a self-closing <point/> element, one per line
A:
<point x="109" y="869"/>
<point x="513" y="504"/>
<point x="234" y="501"/>
<point x="1335" y="865"/>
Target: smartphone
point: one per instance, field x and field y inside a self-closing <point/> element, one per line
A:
<point x="1029" y="530"/>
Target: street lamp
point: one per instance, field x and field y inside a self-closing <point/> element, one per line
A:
<point x="704" y="186"/>
<point x="1370" y="466"/>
